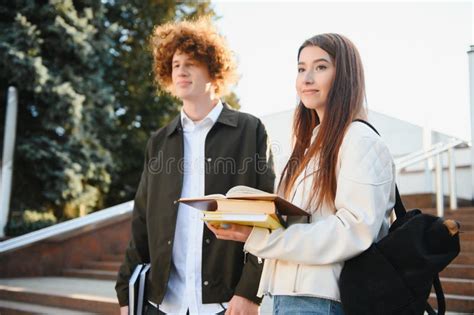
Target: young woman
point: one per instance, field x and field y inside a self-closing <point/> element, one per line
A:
<point x="340" y="171"/>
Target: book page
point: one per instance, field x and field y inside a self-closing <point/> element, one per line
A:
<point x="207" y="197"/>
<point x="245" y="190"/>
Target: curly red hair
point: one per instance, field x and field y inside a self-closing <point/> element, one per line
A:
<point x="200" y="40"/>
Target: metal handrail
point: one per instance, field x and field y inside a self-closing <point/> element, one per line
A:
<point x="419" y="156"/>
<point x="435" y="152"/>
<point x="73" y="225"/>
<point x="126" y="208"/>
<point x="411" y="155"/>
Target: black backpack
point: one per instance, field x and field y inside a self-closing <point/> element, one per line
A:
<point x="394" y="276"/>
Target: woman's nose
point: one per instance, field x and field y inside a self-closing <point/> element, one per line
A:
<point x="309" y="78"/>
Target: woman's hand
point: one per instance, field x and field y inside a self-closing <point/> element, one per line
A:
<point x="231" y="232"/>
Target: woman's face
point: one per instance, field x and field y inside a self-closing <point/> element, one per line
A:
<point x="316" y="72"/>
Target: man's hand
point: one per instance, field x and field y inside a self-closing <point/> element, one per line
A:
<point x="241" y="306"/>
<point x="124" y="310"/>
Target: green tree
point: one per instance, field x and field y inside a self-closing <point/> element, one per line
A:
<point x="141" y="106"/>
<point x="232" y="100"/>
<point x="87" y="100"/>
<point x="54" y="54"/>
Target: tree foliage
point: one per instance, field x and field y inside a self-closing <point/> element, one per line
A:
<point x="87" y="101"/>
<point x="56" y="54"/>
<point x="141" y="108"/>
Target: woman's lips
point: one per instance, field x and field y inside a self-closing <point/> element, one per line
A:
<point x="310" y="91"/>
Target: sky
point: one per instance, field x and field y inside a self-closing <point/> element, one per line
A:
<point x="414" y="54"/>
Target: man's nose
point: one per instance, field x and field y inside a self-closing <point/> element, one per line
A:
<point x="181" y="70"/>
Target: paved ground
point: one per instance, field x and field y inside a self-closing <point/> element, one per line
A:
<point x="88" y="288"/>
<point x="92" y="289"/>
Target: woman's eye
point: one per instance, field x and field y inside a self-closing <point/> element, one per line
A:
<point x="300" y="70"/>
<point x="321" y="67"/>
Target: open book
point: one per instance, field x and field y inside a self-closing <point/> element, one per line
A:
<point x="245" y="205"/>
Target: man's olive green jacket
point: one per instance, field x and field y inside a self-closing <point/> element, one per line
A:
<point x="237" y="152"/>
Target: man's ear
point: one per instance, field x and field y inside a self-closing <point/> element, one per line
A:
<point x="215" y="89"/>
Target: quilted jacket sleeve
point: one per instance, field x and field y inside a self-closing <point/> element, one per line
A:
<point x="364" y="199"/>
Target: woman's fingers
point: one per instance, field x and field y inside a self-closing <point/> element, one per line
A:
<point x="232" y="232"/>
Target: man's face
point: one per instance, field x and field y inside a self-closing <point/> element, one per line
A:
<point x="190" y="78"/>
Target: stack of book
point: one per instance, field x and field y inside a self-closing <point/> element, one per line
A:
<point x="137" y="289"/>
<point x="246" y="206"/>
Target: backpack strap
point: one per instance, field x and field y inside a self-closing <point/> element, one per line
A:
<point x="439" y="295"/>
<point x="439" y="298"/>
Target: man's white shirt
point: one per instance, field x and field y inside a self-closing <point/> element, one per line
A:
<point x="184" y="291"/>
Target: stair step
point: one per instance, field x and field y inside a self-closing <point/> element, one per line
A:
<point x="467" y="236"/>
<point x="460" y="210"/>
<point x="447" y="209"/>
<point x="466" y="226"/>
<point x="465" y="258"/>
<point x="455" y="303"/>
<point x="80" y="302"/>
<point x="21" y="308"/>
<point x="467" y="247"/>
<point x="113" y="257"/>
<point x="458" y="271"/>
<point x="458" y="286"/>
<point x="90" y="273"/>
<point x="102" y="265"/>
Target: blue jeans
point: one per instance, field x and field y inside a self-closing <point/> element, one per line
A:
<point x="307" y="305"/>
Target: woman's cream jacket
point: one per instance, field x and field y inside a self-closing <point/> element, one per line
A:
<point x="307" y="258"/>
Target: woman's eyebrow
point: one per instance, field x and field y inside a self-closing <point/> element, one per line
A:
<point x="315" y="61"/>
<point x="321" y="59"/>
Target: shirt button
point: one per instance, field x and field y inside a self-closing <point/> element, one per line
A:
<point x="209" y="159"/>
<point x="206" y="282"/>
<point x="169" y="242"/>
<point x="208" y="241"/>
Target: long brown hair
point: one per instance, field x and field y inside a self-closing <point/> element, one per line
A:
<point x="345" y="103"/>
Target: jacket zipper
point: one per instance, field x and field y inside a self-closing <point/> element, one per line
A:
<point x="259" y="260"/>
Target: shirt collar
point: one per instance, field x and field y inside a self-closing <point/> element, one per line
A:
<point x="187" y="122"/>
<point x="228" y="116"/>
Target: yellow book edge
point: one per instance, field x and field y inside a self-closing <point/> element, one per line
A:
<point x="269" y="223"/>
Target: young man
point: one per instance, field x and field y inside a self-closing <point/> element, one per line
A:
<point x="207" y="149"/>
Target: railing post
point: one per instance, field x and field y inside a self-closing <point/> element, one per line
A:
<point x="453" y="198"/>
<point x="470" y="54"/>
<point x="7" y="161"/>
<point x="428" y="164"/>
<point x="439" y="186"/>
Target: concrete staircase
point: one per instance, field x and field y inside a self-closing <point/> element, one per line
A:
<point x="458" y="278"/>
<point x="86" y="290"/>
<point x="57" y="295"/>
<point x="72" y="273"/>
<point x="104" y="269"/>
<point x="88" y="287"/>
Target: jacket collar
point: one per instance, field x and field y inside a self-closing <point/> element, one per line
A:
<point x="228" y="117"/>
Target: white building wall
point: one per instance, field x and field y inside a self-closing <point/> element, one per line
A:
<point x="401" y="137"/>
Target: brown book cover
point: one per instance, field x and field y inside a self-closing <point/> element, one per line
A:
<point x="243" y="197"/>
